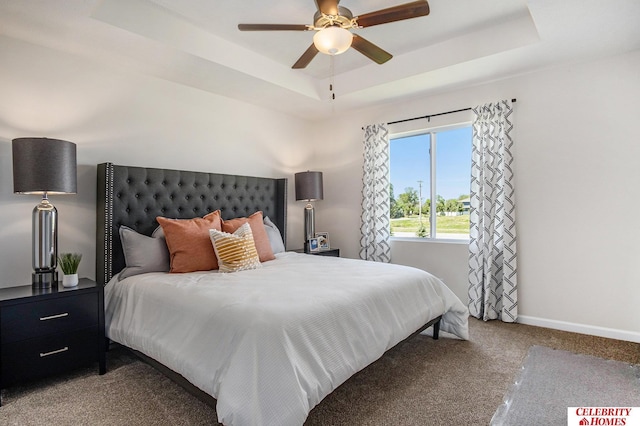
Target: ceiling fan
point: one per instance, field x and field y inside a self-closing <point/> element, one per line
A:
<point x="333" y="22"/>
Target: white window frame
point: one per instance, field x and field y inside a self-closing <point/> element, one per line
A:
<point x="431" y="131"/>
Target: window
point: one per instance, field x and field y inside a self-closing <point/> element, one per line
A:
<point x="430" y="178"/>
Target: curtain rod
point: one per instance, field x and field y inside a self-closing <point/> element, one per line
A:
<point x="428" y="117"/>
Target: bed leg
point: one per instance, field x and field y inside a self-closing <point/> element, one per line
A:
<point x="436" y="329"/>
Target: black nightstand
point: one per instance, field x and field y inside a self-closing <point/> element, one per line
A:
<point x="45" y="332"/>
<point x="334" y="252"/>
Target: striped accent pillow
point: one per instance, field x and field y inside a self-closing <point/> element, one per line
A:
<point x="237" y="251"/>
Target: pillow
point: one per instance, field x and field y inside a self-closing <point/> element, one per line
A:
<point x="237" y="251"/>
<point x="142" y="253"/>
<point x="259" y="233"/>
<point x="189" y="244"/>
<point x="273" y="233"/>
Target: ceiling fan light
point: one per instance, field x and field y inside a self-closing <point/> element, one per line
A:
<point x="333" y="40"/>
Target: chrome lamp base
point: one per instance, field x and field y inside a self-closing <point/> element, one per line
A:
<point x="45" y="279"/>
<point x="44" y="244"/>
<point x="309" y="225"/>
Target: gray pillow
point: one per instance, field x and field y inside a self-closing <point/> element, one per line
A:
<point x="142" y="253"/>
<point x="277" y="245"/>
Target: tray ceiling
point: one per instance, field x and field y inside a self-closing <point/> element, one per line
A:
<point x="197" y="43"/>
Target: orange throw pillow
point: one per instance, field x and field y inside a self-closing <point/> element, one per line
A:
<point x="189" y="243"/>
<point x="260" y="237"/>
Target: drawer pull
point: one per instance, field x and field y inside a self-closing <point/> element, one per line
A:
<point x="42" y="355"/>
<point x="66" y="314"/>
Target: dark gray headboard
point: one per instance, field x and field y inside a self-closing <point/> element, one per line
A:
<point x="135" y="196"/>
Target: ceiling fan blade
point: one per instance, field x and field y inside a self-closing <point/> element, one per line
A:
<point x="306" y="57"/>
<point x="328" y="7"/>
<point x="370" y="50"/>
<point x="396" y="13"/>
<point x="272" y="27"/>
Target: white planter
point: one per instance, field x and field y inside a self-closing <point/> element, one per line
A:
<point x="69" y="280"/>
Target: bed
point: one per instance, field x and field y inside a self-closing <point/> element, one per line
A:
<point x="268" y="343"/>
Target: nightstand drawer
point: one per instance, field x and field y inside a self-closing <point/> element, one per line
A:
<point x="35" y="319"/>
<point x="53" y="354"/>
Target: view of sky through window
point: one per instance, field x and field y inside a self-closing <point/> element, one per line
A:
<point x="410" y="163"/>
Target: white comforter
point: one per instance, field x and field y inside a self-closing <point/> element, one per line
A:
<point x="269" y="344"/>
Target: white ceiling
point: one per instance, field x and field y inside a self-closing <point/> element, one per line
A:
<point x="197" y="43"/>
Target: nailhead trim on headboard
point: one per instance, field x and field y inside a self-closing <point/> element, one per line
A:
<point x="135" y="196"/>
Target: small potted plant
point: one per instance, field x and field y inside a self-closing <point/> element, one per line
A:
<point x="69" y="263"/>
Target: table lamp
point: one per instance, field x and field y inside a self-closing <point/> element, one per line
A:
<point x="309" y="188"/>
<point x="44" y="166"/>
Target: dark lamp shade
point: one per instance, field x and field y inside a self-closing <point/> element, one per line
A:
<point x="308" y="186"/>
<point x="44" y="165"/>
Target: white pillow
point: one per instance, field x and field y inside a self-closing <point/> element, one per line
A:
<point x="275" y="238"/>
<point x="237" y="251"/>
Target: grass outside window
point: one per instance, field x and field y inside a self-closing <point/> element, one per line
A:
<point x="456" y="227"/>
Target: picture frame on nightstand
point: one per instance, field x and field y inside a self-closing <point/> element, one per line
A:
<point x="323" y="240"/>
<point x="313" y="245"/>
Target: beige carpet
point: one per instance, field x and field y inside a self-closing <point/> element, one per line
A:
<point x="420" y="382"/>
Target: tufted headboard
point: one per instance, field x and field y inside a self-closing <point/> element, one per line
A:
<point x="135" y="196"/>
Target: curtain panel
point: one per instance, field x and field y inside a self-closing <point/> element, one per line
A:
<point x="492" y="246"/>
<point x="375" y="229"/>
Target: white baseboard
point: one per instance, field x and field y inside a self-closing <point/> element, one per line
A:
<point x="592" y="330"/>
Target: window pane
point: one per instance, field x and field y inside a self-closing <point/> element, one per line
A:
<point x="410" y="171"/>
<point x="453" y="174"/>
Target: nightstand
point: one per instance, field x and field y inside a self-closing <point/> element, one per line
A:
<point x="334" y="252"/>
<point x="45" y="332"/>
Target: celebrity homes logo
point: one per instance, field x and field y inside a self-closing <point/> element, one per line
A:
<point x="603" y="416"/>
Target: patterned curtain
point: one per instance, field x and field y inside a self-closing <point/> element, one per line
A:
<point x="492" y="247"/>
<point x="375" y="228"/>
